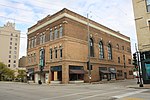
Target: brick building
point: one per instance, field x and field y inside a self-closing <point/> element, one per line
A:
<point x="61" y="41"/>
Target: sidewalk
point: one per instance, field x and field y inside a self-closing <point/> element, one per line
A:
<point x="136" y="86"/>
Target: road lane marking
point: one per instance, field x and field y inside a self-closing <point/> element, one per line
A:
<point x="129" y="94"/>
<point x="87" y="97"/>
<point x="69" y="95"/>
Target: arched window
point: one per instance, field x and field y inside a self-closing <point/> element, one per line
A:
<point x="109" y="52"/>
<point x="91" y="48"/>
<point x="101" y="50"/>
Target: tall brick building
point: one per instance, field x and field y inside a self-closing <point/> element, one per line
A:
<point x="61" y="41"/>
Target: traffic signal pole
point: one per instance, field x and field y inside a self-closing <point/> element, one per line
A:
<point x="139" y="63"/>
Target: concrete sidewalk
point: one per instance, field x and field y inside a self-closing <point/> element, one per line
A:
<point x="137" y="86"/>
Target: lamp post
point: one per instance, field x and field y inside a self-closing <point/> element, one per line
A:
<point x="89" y="64"/>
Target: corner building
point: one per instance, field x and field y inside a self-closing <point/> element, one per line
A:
<point x="142" y="20"/>
<point x="63" y="39"/>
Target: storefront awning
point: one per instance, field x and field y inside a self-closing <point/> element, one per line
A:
<point x="104" y="71"/>
<point x="113" y="71"/>
<point x="72" y="71"/>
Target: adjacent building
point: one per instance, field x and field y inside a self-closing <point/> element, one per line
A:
<point x="142" y="21"/>
<point x="9" y="42"/>
<point x="57" y="50"/>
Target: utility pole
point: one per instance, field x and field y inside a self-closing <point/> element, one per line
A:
<point x="89" y="52"/>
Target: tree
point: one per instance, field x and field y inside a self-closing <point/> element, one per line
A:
<point x="21" y="74"/>
<point x="6" y="73"/>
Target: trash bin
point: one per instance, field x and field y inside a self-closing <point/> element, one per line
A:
<point x="39" y="82"/>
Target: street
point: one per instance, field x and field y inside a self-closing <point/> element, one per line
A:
<point x="107" y="91"/>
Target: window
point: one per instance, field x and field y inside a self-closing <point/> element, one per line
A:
<point x="8" y="65"/>
<point x="15" y="44"/>
<point x="14" y="56"/>
<point x="11" y="39"/>
<point x="11" y="34"/>
<point x="91" y="48"/>
<point x="122" y="47"/>
<point x="10" y="47"/>
<point x="51" y="54"/>
<point x="56" y="34"/>
<point x="9" y="52"/>
<point x="42" y="38"/>
<point x="119" y="73"/>
<point x="55" y="52"/>
<point x="148" y="5"/>
<point x="34" y="41"/>
<point x="9" y="56"/>
<point x="15" y="48"/>
<point x="61" y="32"/>
<point x="51" y="35"/>
<point x="14" y="61"/>
<point x="101" y="50"/>
<point x="15" y="52"/>
<point x="124" y="60"/>
<point x="91" y="67"/>
<point x="109" y="52"/>
<point x="117" y="46"/>
<point x="34" y="57"/>
<point x="130" y="72"/>
<point x="14" y="65"/>
<point x="16" y="35"/>
<point x="9" y="61"/>
<point x="129" y="60"/>
<point x="61" y="52"/>
<point x="119" y="60"/>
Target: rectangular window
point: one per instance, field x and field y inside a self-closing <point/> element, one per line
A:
<point x="130" y="72"/>
<point x="9" y="61"/>
<point x="119" y="73"/>
<point x="14" y="61"/>
<point x="10" y="43"/>
<point x="51" y="35"/>
<point x="8" y="65"/>
<point x="9" y="56"/>
<point x="56" y="33"/>
<point x="51" y="54"/>
<point x="34" y="57"/>
<point x="119" y="60"/>
<point x="91" y="67"/>
<point x="148" y="5"/>
<point x="34" y="41"/>
<point x="9" y="52"/>
<point x="61" y="53"/>
<point x="56" y="53"/>
<point x="60" y="32"/>
<point x="129" y="60"/>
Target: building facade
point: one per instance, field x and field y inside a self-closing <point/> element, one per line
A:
<point x="9" y="42"/>
<point x="22" y="62"/>
<point x="142" y="21"/>
<point x="58" y="50"/>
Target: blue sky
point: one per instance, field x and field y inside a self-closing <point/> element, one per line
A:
<point x="115" y="14"/>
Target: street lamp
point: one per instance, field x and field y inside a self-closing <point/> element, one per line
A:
<point x="89" y="52"/>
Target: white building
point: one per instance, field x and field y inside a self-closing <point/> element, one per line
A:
<point x="9" y="45"/>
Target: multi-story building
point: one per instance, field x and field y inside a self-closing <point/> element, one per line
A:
<point x="142" y="21"/>
<point x="9" y="42"/>
<point x="22" y="62"/>
<point x="61" y="41"/>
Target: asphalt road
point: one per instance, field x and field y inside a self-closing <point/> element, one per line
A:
<point x="107" y="91"/>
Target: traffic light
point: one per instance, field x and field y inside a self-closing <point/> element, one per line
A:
<point x="142" y="56"/>
<point x="134" y="59"/>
